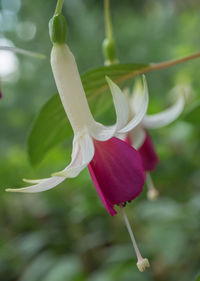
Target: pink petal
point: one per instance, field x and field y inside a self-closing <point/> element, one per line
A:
<point x="148" y="154"/>
<point x="117" y="172"/>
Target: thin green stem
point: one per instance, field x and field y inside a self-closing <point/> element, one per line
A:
<point x="23" y="52"/>
<point x="108" y="24"/>
<point x="59" y="7"/>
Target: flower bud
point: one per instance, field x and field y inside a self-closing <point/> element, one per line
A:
<point x="109" y="51"/>
<point x="57" y="29"/>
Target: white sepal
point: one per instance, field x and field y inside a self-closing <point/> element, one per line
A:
<point x="82" y="154"/>
<point x="165" y="117"/>
<point x="43" y="185"/>
<point x="120" y="103"/>
<point x="70" y="87"/>
<point x="103" y="133"/>
<point x="139" y="103"/>
<point x="137" y="137"/>
<point x="34" y="181"/>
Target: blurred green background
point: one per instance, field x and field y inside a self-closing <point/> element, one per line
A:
<point x="66" y="234"/>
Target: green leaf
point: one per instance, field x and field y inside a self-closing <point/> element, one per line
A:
<point x="66" y="268"/>
<point x="197" y="277"/>
<point x="38" y="268"/>
<point x="52" y="126"/>
<point x="192" y="115"/>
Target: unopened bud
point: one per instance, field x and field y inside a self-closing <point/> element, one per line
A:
<point x="109" y="51"/>
<point x="57" y="29"/>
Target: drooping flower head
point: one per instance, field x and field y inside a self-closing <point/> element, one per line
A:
<point x="95" y="144"/>
<point x="115" y="166"/>
<point x="139" y="137"/>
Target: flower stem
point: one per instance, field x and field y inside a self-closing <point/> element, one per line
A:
<point x="139" y="256"/>
<point x="158" y="66"/>
<point x="59" y="7"/>
<point x="149" y="68"/>
<point x="109" y="48"/>
<point x="108" y="24"/>
<point x="23" y="52"/>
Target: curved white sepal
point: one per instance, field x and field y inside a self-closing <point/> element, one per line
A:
<point x="139" y="105"/>
<point x="82" y="154"/>
<point x="137" y="137"/>
<point x="103" y="133"/>
<point x="136" y="95"/>
<point x="165" y="117"/>
<point x="43" y="185"/>
<point x="121" y="136"/>
<point x="34" y="181"/>
<point x="120" y="103"/>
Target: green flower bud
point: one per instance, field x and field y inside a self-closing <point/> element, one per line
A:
<point x="57" y="29"/>
<point x="109" y="51"/>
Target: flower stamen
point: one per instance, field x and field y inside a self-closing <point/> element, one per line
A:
<point x="152" y="193"/>
<point x="142" y="263"/>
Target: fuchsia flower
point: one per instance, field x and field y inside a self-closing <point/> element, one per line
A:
<point x="139" y="137"/>
<point x="115" y="166"/>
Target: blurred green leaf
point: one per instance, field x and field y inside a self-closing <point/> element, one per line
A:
<point x="68" y="268"/>
<point x="52" y="126"/>
<point x="198" y="277"/>
<point x="162" y="210"/>
<point x="119" y="253"/>
<point x="39" y="267"/>
<point x="192" y="115"/>
<point x="30" y="244"/>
